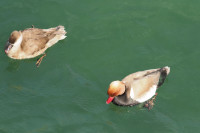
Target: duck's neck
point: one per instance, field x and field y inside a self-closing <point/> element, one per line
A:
<point x="17" y="44"/>
<point x="122" y="100"/>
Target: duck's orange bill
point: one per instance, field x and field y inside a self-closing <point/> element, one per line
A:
<point x="109" y="99"/>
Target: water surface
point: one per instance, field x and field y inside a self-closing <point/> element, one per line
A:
<point x="106" y="41"/>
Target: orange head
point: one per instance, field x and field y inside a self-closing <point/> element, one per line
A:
<point x="116" y="88"/>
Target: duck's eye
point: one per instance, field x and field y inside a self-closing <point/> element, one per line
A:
<point x="10" y="46"/>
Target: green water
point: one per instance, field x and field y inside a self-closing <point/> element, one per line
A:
<point x="106" y="41"/>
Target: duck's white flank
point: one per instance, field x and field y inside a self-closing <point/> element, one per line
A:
<point x="147" y="95"/>
<point x="132" y="93"/>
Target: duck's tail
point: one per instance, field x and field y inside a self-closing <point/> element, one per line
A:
<point x="58" y="33"/>
<point x="164" y="72"/>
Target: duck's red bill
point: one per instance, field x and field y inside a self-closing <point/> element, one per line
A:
<point x="6" y="51"/>
<point x="109" y="100"/>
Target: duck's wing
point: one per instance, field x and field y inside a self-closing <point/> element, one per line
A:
<point x="35" y="40"/>
<point x="141" y="86"/>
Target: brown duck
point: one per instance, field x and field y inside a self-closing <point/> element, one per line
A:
<point x="137" y="88"/>
<point x="32" y="42"/>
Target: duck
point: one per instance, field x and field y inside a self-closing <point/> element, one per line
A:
<point x="138" y="87"/>
<point x="32" y="42"/>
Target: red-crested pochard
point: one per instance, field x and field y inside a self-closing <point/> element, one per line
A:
<point x="32" y="42"/>
<point x="137" y="88"/>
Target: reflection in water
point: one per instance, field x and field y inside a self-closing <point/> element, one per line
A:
<point x="13" y="66"/>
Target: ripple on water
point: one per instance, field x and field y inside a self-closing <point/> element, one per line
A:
<point x="168" y="122"/>
<point x="88" y="95"/>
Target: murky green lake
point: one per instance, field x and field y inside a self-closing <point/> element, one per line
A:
<point x="106" y="41"/>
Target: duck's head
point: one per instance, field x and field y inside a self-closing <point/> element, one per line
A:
<point x="116" y="88"/>
<point x="13" y="42"/>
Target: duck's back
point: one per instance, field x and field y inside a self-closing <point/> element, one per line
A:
<point x="36" y="41"/>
